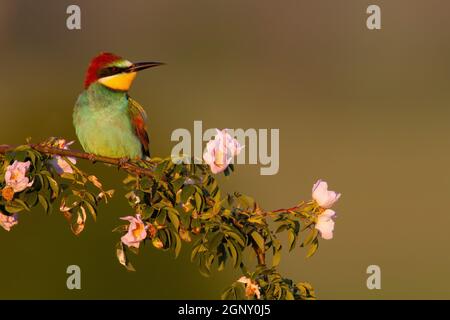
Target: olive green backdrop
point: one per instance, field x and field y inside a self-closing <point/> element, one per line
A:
<point x="367" y="111"/>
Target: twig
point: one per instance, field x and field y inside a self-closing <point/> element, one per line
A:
<point x="260" y="255"/>
<point x="290" y="210"/>
<point x="127" y="166"/>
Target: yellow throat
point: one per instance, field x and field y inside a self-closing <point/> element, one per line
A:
<point x="120" y="81"/>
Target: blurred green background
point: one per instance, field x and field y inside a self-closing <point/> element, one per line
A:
<point x="367" y="111"/>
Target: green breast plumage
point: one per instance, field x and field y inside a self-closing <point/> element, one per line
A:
<point x="103" y="124"/>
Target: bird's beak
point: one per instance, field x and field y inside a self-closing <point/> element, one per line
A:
<point x="138" y="66"/>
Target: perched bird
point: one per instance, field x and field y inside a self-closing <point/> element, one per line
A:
<point x="107" y="121"/>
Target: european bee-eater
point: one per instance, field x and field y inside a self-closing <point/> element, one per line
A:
<point x="107" y="121"/>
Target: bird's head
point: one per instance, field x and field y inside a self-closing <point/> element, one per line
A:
<point x="114" y="72"/>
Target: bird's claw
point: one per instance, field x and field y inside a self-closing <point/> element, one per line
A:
<point x="123" y="161"/>
<point x="92" y="158"/>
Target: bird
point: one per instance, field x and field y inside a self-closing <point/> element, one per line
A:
<point x="107" y="121"/>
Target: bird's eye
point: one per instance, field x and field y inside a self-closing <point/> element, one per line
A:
<point x="109" y="71"/>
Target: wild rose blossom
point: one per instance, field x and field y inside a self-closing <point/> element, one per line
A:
<point x="136" y="231"/>
<point x="325" y="224"/>
<point x="7" y="222"/>
<point x="251" y="288"/>
<point x="324" y="198"/>
<point x="62" y="166"/>
<point x="220" y="151"/>
<point x="15" y="176"/>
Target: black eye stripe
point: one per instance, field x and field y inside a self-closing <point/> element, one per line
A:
<point x="109" y="71"/>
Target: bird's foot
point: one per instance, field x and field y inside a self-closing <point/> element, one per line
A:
<point x="92" y="158"/>
<point x="123" y="161"/>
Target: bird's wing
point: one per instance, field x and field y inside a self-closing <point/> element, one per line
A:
<point x="138" y="120"/>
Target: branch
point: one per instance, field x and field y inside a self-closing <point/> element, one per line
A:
<point x="260" y="255"/>
<point x="127" y="166"/>
<point x="290" y="210"/>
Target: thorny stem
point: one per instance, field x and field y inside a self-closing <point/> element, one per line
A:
<point x="127" y="166"/>
<point x="260" y="254"/>
<point x="131" y="168"/>
<point x="290" y="210"/>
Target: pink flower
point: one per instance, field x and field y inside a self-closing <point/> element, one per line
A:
<point x="325" y="224"/>
<point x="62" y="166"/>
<point x="251" y="288"/>
<point x="15" y="176"/>
<point x="323" y="197"/>
<point x="220" y="152"/>
<point x="7" y="222"/>
<point x="136" y="231"/>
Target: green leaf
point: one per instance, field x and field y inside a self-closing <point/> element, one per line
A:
<point x="13" y="207"/>
<point x="312" y="248"/>
<point x="259" y="240"/>
<point x="30" y="198"/>
<point x="236" y="237"/>
<point x="215" y="240"/>
<point x="21" y="203"/>
<point x="289" y="295"/>
<point x="122" y="257"/>
<point x="186" y="193"/>
<point x="173" y="216"/>
<point x="194" y="252"/>
<point x="44" y="203"/>
<point x="233" y="253"/>
<point x="282" y="228"/>
<point x="258" y="219"/>
<point x="177" y="244"/>
<point x="292" y="239"/>
<point x="130" y="178"/>
<point x="229" y="294"/>
<point x="160" y="169"/>
<point x="276" y="258"/>
<point x="209" y="261"/>
<point x="185" y="218"/>
<point x="68" y="176"/>
<point x="54" y="186"/>
<point x="311" y="236"/>
<point x="161" y="218"/>
<point x="89" y="197"/>
<point x="245" y="201"/>
<point x="91" y="209"/>
<point x="177" y="184"/>
<point x="203" y="266"/>
<point x="198" y="202"/>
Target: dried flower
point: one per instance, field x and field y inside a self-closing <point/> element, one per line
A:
<point x="251" y="288"/>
